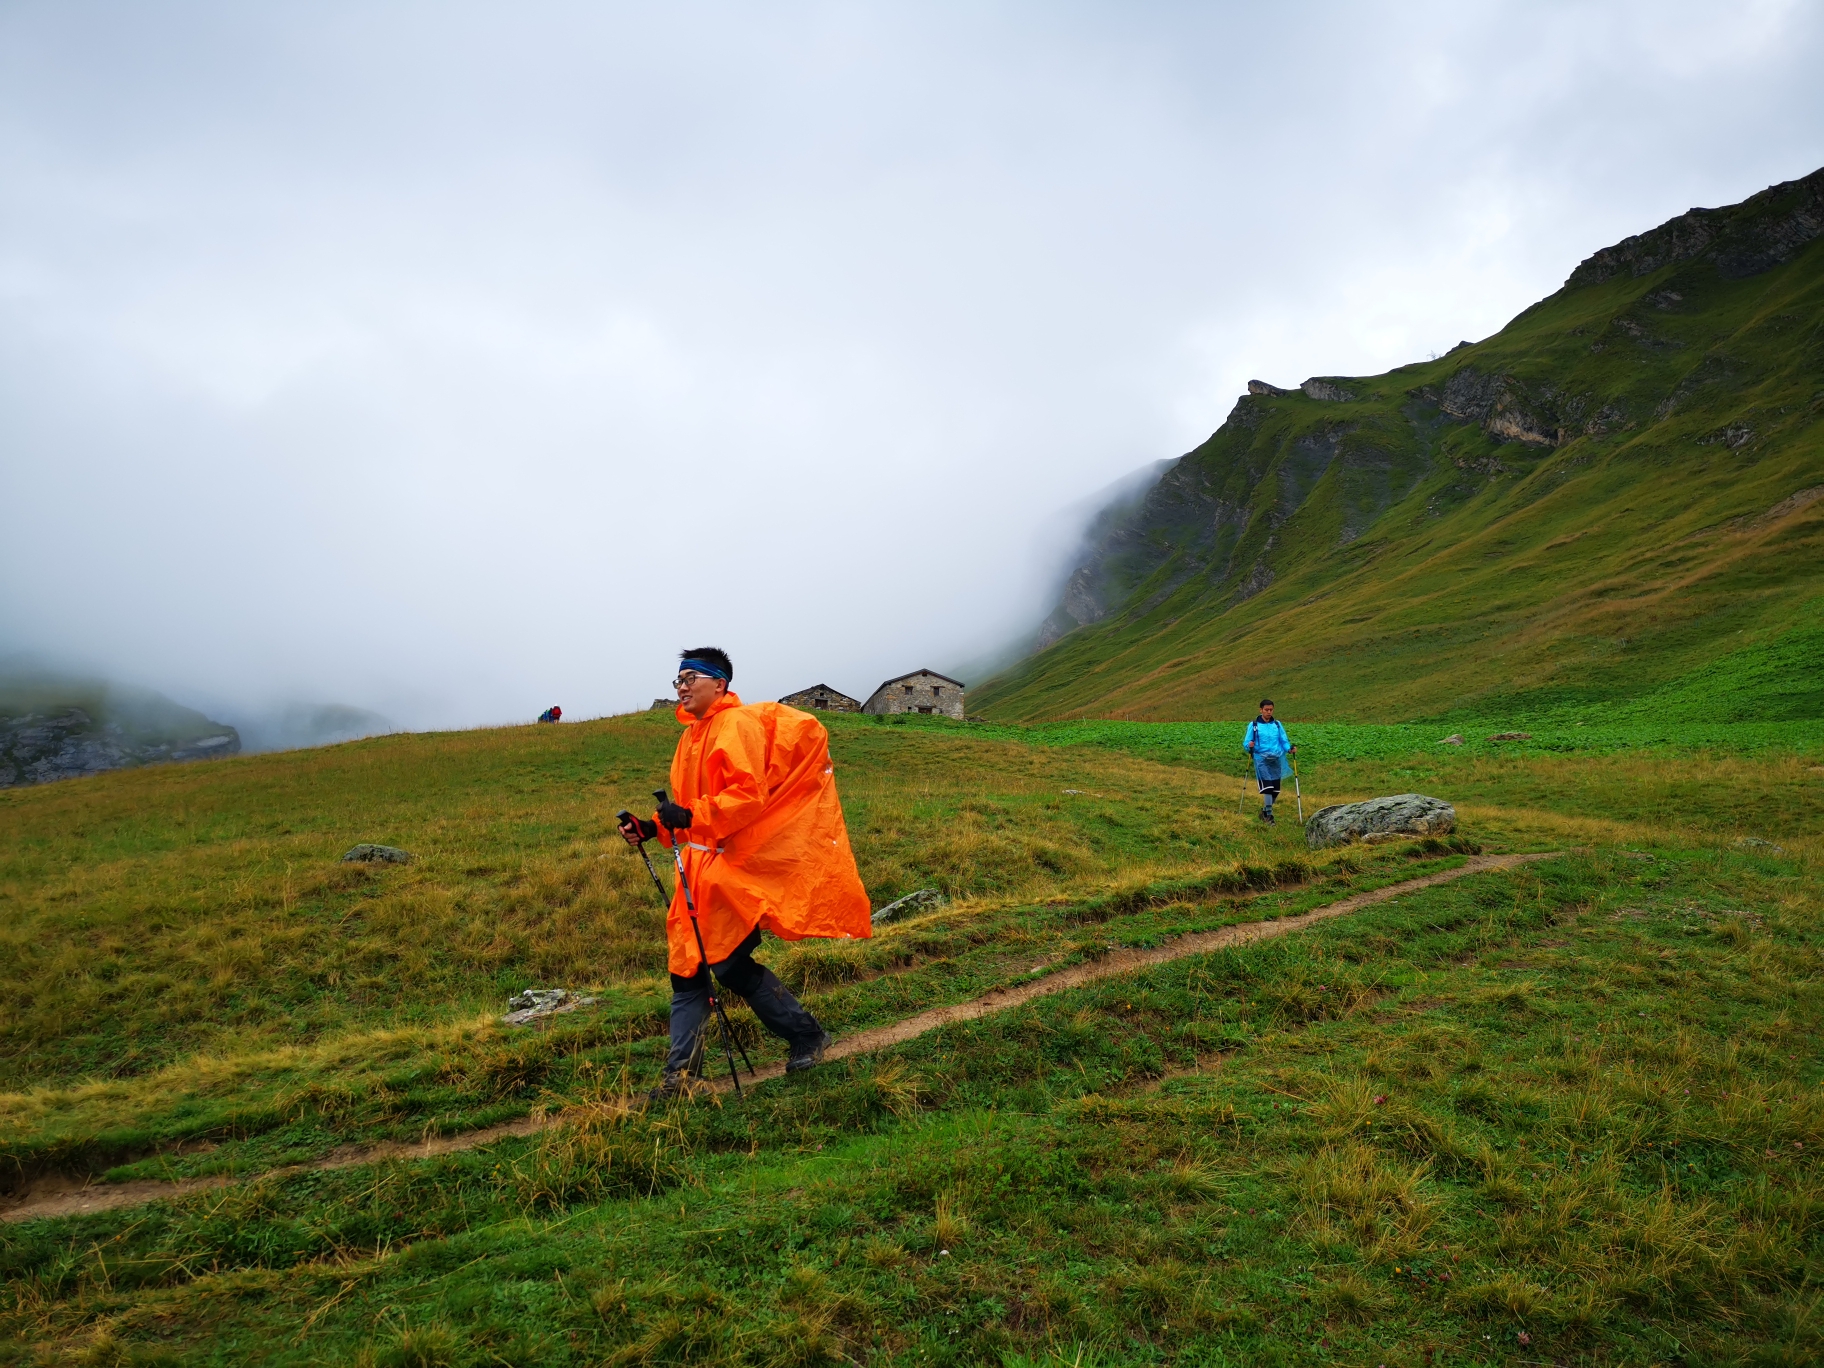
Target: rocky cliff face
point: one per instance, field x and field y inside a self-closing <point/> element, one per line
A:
<point x="43" y="737"/>
<point x="1214" y="515"/>
<point x="1742" y="240"/>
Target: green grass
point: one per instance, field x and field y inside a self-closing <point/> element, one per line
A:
<point x="1406" y="1136"/>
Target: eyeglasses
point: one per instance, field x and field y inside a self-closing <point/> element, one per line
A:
<point x="689" y="677"/>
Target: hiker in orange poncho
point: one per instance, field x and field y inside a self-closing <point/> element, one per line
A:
<point x="753" y="799"/>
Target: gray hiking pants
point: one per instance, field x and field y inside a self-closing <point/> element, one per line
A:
<point x="1268" y="770"/>
<point x="771" y="1000"/>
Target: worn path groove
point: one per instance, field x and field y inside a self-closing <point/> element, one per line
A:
<point x="55" y="1196"/>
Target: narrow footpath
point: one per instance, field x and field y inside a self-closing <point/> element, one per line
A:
<point x="55" y="1195"/>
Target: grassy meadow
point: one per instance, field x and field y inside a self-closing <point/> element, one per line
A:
<point x="1564" y="1113"/>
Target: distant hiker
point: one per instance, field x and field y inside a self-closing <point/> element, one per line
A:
<point x="753" y="798"/>
<point x="552" y="714"/>
<point x="1267" y="743"/>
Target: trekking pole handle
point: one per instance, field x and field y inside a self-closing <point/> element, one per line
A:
<point x="663" y="799"/>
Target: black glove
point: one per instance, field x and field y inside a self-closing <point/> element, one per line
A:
<point x="637" y="829"/>
<point x="674" y="815"/>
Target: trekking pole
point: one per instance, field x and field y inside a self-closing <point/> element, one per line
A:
<point x="640" y="845"/>
<point x="1297" y="792"/>
<point x="729" y="1043"/>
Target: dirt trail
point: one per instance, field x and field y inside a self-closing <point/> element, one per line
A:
<point x="59" y="1195"/>
<point x="1130" y="961"/>
<point x="62" y="1196"/>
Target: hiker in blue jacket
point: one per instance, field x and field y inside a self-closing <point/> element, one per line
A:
<point x="1267" y="745"/>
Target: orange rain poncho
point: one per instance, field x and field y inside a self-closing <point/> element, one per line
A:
<point x="768" y="846"/>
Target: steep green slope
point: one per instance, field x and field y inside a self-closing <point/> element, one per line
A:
<point x="1618" y="499"/>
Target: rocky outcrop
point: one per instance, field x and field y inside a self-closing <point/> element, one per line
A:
<point x="925" y="900"/>
<point x="1166" y="510"/>
<point x="1208" y="521"/>
<point x="1761" y="232"/>
<point x="1380" y="819"/>
<point x="377" y="854"/>
<point x="537" y="1003"/>
<point x="68" y="742"/>
<point x="1327" y="391"/>
<point x="1501" y="404"/>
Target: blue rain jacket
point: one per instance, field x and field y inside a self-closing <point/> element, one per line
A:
<point x="1267" y="738"/>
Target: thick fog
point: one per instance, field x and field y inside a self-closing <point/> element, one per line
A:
<point x="454" y="360"/>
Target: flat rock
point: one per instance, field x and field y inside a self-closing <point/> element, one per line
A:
<point x="1326" y="391"/>
<point x="1454" y="739"/>
<point x="529" y="1006"/>
<point x="925" y="900"/>
<point x="1511" y="736"/>
<point x="1403" y="814"/>
<point x="377" y="854"/>
<point x="1750" y="842"/>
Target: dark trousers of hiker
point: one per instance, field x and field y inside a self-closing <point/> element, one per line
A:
<point x="1267" y="770"/>
<point x="772" y="1001"/>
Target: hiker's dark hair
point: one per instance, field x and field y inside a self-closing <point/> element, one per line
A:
<point x="1266" y="702"/>
<point x="711" y="655"/>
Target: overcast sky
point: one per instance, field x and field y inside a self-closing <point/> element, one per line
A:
<point x="455" y="360"/>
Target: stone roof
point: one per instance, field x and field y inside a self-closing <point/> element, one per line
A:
<point x="933" y="673"/>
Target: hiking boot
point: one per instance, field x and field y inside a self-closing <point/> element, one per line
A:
<point x="1266" y="815"/>
<point x="673" y="1085"/>
<point x="807" y="1053"/>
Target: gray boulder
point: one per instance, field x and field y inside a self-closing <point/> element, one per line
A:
<point x="1325" y="391"/>
<point x="535" y="1004"/>
<point x="377" y="854"/>
<point x="1404" y="814"/>
<point x="925" y="900"/>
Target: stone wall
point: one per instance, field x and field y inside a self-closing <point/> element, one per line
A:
<point x="922" y="691"/>
<point x="822" y="698"/>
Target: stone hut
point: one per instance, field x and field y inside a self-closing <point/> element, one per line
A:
<point x="822" y="698"/>
<point x="922" y="691"/>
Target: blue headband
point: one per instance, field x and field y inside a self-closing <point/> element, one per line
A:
<point x="703" y="667"/>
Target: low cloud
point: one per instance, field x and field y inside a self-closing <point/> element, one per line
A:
<point x="451" y="361"/>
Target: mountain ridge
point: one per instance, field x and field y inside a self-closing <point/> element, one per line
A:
<point x="1683" y="365"/>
